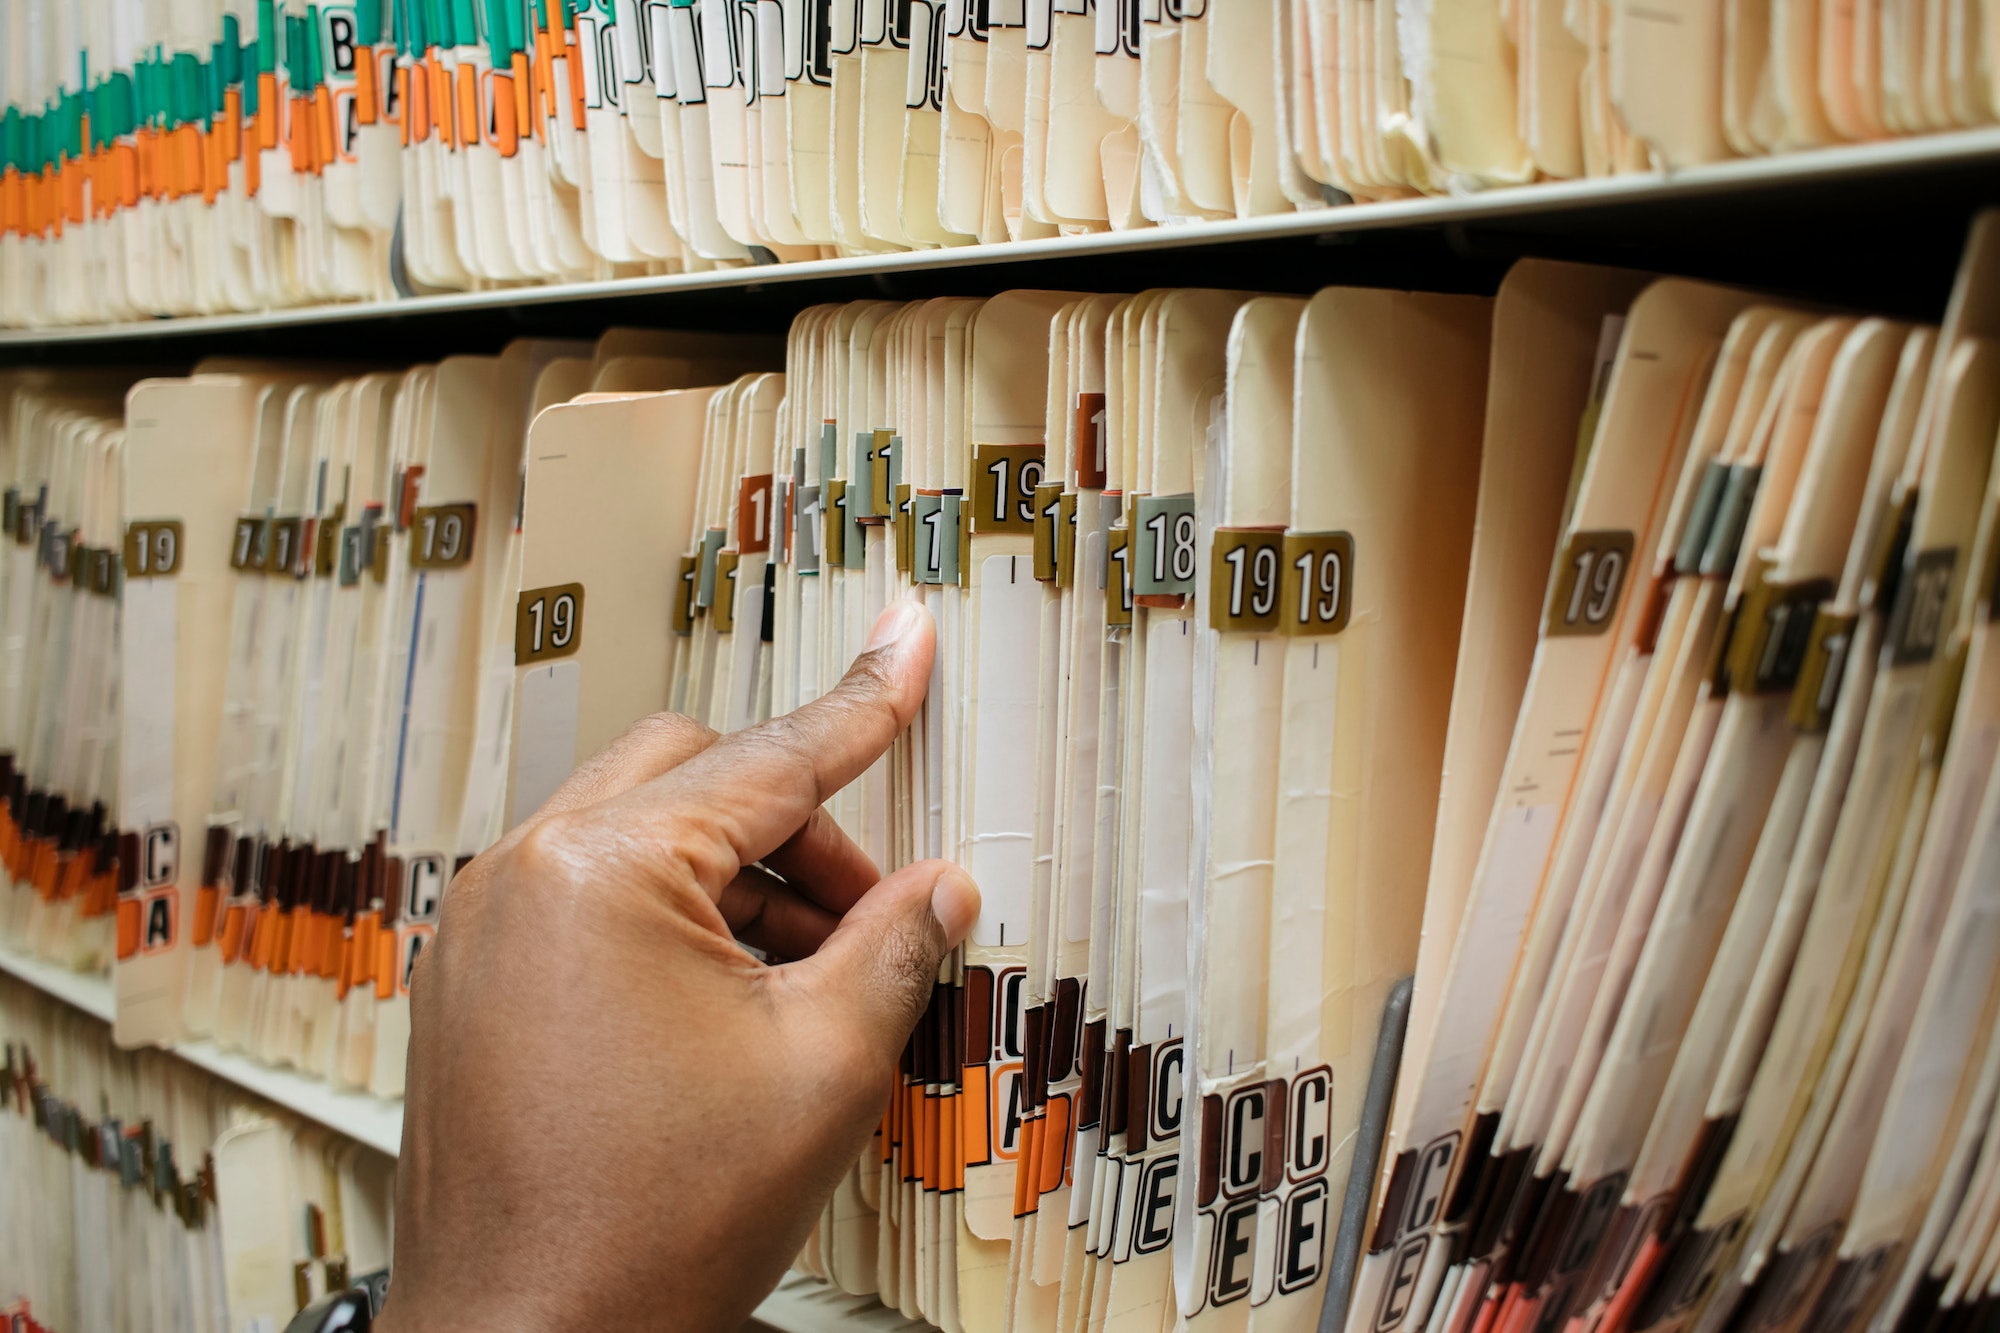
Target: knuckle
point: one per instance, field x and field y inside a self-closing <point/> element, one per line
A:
<point x="791" y="739"/>
<point x="547" y="850"/>
<point x="668" y="729"/>
<point x="706" y="854"/>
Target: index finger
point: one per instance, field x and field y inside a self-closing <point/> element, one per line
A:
<point x="742" y="797"/>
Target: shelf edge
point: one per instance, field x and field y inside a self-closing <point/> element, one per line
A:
<point x="1841" y="163"/>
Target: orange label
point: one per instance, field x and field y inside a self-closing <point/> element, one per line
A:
<point x="299" y="135"/>
<point x="214" y="168"/>
<point x="521" y="83"/>
<point x="235" y="921"/>
<point x="333" y="954"/>
<point x="101" y="896"/>
<point x="416" y="112"/>
<point x="385" y="965"/>
<point x="267" y="111"/>
<point x="506" y="126"/>
<point x="272" y="928"/>
<point x="361" y="953"/>
<point x="975" y="1123"/>
<point x="544" y="92"/>
<point x="322" y="128"/>
<point x="128" y="928"/>
<point x="125" y="174"/>
<point x="574" y="55"/>
<point x="367" y="96"/>
<point x="440" y="90"/>
<point x="1058" y="1139"/>
<point x="468" y="106"/>
<point x="66" y="875"/>
<point x="42" y="871"/>
<point x="304" y="943"/>
<point x="188" y="159"/>
<point x="206" y="899"/>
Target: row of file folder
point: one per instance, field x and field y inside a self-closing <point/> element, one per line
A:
<point x="260" y="678"/>
<point x="1610" y="656"/>
<point x="146" y="1194"/>
<point x="225" y="155"/>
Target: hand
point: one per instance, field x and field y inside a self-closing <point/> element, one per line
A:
<point x="616" y="1117"/>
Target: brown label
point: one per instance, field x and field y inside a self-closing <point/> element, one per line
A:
<point x="1246" y="580"/>
<point x="1317" y="591"/>
<point x="1004" y="478"/>
<point x="1824" y="663"/>
<point x="881" y="446"/>
<point x="906" y="529"/>
<point x="1066" y="542"/>
<point x="441" y="536"/>
<point x="1091" y="442"/>
<point x="753" y="514"/>
<point x="326" y="548"/>
<point x="548" y="623"/>
<point x="281" y="549"/>
<point x="153" y="549"/>
<point x="246" y="546"/>
<point x="1118" y="577"/>
<point x="1590" y="577"/>
<point x="1773" y="633"/>
<point x="1048" y="529"/>
<point x="684" y="586"/>
<point x="1922" y="614"/>
<point x="834" y="547"/>
<point x="104" y="571"/>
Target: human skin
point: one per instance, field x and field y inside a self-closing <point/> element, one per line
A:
<point x="617" y="1118"/>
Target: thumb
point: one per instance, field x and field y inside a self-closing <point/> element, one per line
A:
<point x="875" y="973"/>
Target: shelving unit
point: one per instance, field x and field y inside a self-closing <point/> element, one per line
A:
<point x="1875" y="226"/>
<point x="365" y="1119"/>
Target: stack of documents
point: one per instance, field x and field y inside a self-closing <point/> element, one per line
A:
<point x="260" y="667"/>
<point x="1610" y="656"/>
<point x="1198" y="565"/>
<point x="1703" y="1033"/>
<point x="147" y="1194"/>
<point x="216" y="155"/>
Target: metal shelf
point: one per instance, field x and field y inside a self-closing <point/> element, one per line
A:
<point x="1875" y="225"/>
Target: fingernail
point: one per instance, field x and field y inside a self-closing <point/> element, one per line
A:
<point x="955" y="904"/>
<point x="894" y="623"/>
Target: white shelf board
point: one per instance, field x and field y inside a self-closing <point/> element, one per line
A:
<point x="1844" y="164"/>
<point x="804" y="1304"/>
<point x="799" y="1305"/>
<point x="371" y="1120"/>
